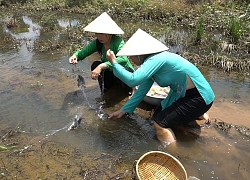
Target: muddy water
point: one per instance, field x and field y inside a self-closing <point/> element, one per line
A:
<point x="39" y="96"/>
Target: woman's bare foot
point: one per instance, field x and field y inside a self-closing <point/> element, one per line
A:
<point x="164" y="135"/>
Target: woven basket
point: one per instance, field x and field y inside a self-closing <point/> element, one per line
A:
<point x="157" y="165"/>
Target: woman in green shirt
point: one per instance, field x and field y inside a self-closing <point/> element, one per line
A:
<point x="190" y="95"/>
<point x="106" y="31"/>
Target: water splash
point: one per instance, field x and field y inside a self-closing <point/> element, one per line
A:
<point x="44" y="135"/>
<point x="102" y="86"/>
<point x="76" y="121"/>
<point x="98" y="109"/>
<point x="101" y="114"/>
<point x="82" y="86"/>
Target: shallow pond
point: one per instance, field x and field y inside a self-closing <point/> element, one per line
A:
<point x="39" y="96"/>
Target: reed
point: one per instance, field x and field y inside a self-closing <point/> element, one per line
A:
<point x="199" y="31"/>
<point x="235" y="29"/>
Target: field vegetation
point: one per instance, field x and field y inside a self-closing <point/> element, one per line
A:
<point x="216" y="33"/>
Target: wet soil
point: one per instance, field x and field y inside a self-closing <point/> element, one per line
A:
<point x="46" y="159"/>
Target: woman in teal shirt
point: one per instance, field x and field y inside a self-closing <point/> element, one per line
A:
<point x="105" y="30"/>
<point x="190" y="95"/>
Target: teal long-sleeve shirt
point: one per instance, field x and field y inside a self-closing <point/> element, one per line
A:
<point x="166" y="69"/>
<point x="115" y="45"/>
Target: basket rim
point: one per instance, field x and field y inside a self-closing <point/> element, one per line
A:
<point x="159" y="152"/>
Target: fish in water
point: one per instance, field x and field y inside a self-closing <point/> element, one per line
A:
<point x="103" y="116"/>
<point x="76" y="122"/>
<point x="81" y="81"/>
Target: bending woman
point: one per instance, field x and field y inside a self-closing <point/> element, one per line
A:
<point x="106" y="31"/>
<point x="190" y="95"/>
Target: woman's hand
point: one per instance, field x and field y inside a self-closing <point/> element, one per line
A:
<point x="111" y="56"/>
<point x="96" y="72"/>
<point x="73" y="59"/>
<point x="117" y="114"/>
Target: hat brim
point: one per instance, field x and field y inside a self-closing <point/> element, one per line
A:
<point x="141" y="43"/>
<point x="104" y="24"/>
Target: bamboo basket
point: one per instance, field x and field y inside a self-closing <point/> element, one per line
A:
<point x="157" y="165"/>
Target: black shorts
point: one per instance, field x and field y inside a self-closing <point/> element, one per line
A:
<point x="183" y="111"/>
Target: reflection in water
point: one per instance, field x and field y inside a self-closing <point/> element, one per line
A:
<point x="33" y="30"/>
<point x="67" y="23"/>
<point x="214" y="154"/>
<point x="28" y="37"/>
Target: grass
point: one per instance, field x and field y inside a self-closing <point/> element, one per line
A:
<point x="201" y="21"/>
<point x="235" y="30"/>
<point x="200" y="32"/>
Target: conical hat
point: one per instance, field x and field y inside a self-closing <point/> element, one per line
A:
<point x="141" y="43"/>
<point x="104" y="24"/>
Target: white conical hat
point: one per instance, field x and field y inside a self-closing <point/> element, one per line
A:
<point x="141" y="43"/>
<point x="104" y="24"/>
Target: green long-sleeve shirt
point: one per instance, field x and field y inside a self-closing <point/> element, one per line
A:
<point x="166" y="69"/>
<point x="115" y="45"/>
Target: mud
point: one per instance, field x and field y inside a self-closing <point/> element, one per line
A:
<point x="46" y="159"/>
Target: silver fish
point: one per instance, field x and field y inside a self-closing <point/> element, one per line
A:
<point x="103" y="116"/>
<point x="76" y="123"/>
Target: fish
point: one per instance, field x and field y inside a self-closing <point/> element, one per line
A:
<point x="76" y="123"/>
<point x="81" y="81"/>
<point x="103" y="116"/>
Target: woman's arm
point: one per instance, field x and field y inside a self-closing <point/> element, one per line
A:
<point x="116" y="45"/>
<point x="86" y="51"/>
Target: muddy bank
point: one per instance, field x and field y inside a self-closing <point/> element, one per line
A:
<point x="27" y="157"/>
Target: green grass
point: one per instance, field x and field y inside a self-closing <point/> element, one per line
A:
<point x="235" y="29"/>
<point x="199" y="31"/>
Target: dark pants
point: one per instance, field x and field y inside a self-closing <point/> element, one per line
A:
<point x="183" y="111"/>
<point x="107" y="79"/>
